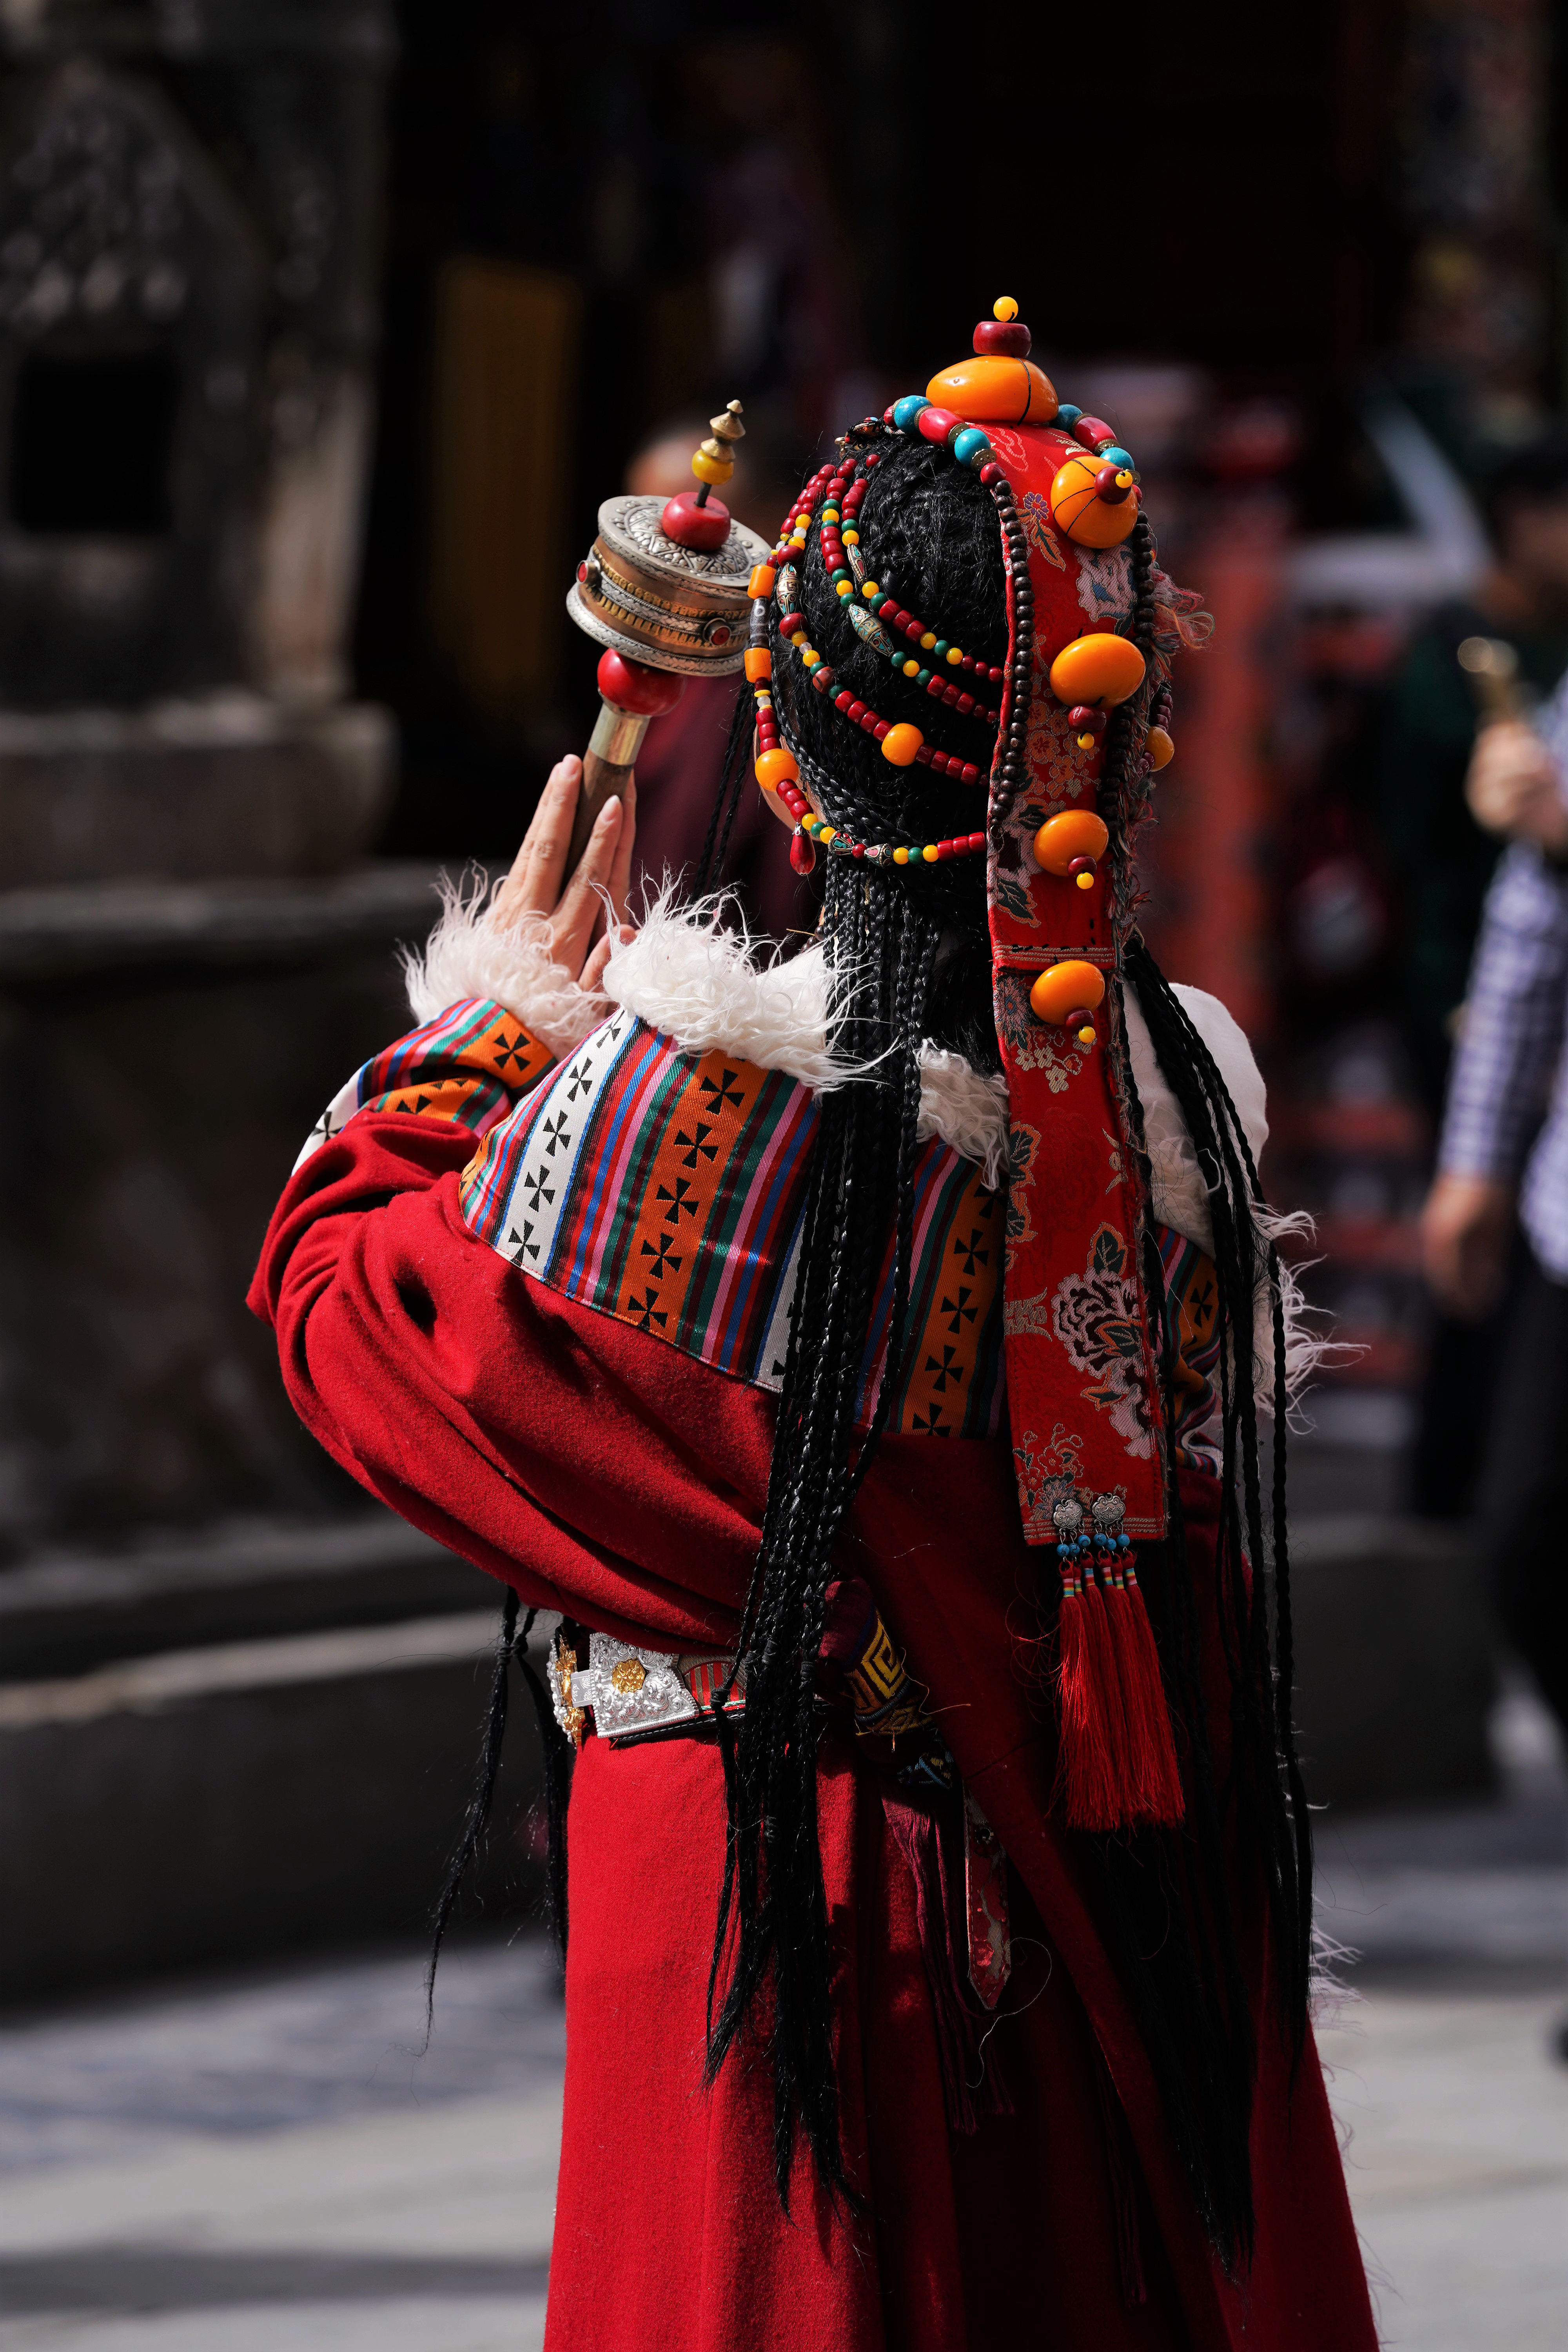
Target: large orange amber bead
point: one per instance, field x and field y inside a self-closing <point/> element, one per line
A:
<point x="900" y="743"/>
<point x="1064" y="988"/>
<point x="1160" y="749"/>
<point x="990" y="390"/>
<point x="1101" y="668"/>
<point x="1078" y="507"/>
<point x="775" y="768"/>
<point x="1072" y="833"/>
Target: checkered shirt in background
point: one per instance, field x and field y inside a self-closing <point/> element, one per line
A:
<point x="1508" y="1094"/>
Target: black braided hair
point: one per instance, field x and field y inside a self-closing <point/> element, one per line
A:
<point x="910" y="960"/>
<point x="511" y="1642"/>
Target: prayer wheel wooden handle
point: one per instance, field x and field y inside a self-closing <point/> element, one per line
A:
<point x="601" y="778"/>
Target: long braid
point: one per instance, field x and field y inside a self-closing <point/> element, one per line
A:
<point x="908" y="958"/>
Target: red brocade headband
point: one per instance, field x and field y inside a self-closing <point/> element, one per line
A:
<point x="1066" y="771"/>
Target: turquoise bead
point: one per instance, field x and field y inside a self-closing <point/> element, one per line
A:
<point x="905" y="411"/>
<point x="1113" y="454"/>
<point x="1067" y="416"/>
<point x="969" y="445"/>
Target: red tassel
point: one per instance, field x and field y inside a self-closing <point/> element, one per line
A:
<point x="1154" y="1780"/>
<point x="1087" y="1771"/>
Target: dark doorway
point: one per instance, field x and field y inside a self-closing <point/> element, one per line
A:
<point x="91" y="443"/>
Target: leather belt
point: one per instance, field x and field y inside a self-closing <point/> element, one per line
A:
<point x="632" y="1693"/>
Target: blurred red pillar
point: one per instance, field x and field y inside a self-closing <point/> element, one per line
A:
<point x="1207" y="862"/>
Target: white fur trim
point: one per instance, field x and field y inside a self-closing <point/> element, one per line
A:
<point x="469" y="953"/>
<point x="704" y="987"/>
<point x="701" y="985"/>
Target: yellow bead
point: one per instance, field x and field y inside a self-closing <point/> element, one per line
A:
<point x="928" y="639"/>
<point x="851" y="539"/>
<point x="810" y="660"/>
<point x="826" y="832"/>
<point x="869" y="588"/>
<point x="711" y="469"/>
<point x="1084" y="881"/>
<point x="843" y="587"/>
<point x="900" y="857"/>
<point x="911" y="668"/>
<point x="929" y="852"/>
<point x="1086" y="1036"/>
<point x="1006" y="309"/>
<point x="954" y="654"/>
<point x="1087" y="743"/>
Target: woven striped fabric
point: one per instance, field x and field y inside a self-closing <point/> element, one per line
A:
<point x="1192" y="1318"/>
<point x="667" y="1188"/>
<point x="469" y="1065"/>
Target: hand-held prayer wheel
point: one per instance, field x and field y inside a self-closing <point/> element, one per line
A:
<point x="663" y="589"/>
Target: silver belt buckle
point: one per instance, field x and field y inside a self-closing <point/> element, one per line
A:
<point x="630" y="1692"/>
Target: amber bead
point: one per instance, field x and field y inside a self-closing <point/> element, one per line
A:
<point x="760" y="582"/>
<point x="759" y="663"/>
<point x="776" y="767"/>
<point x="711" y="469"/>
<point x="1078" y="507"/>
<point x="900" y="744"/>
<point x="1101" y="668"/>
<point x="1067" y="988"/>
<point x="1070" y="835"/>
<point x="992" y="390"/>
<point x="1160" y="749"/>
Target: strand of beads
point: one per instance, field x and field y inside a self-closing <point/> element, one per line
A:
<point x="778" y="770"/>
<point x="892" y="615"/>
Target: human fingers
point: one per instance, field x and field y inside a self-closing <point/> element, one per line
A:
<point x="581" y="905"/>
<point x="533" y="885"/>
<point x="621" y="869"/>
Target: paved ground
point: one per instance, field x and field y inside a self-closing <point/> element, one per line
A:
<point x="254" y="2164"/>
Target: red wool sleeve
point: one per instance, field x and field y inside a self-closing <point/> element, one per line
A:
<point x="596" y="1469"/>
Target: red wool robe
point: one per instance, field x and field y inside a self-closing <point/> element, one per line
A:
<point x="607" y="1456"/>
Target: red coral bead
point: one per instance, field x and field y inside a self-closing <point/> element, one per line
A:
<point x="936" y="423"/>
<point x="978" y="841"/>
<point x="971" y="773"/>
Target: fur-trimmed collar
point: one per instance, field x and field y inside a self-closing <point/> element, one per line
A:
<point x="709" y="989"/>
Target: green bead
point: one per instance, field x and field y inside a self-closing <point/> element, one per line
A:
<point x="939" y="652"/>
<point x="922" y="678"/>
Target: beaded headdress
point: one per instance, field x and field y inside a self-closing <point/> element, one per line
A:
<point x="1066" y="733"/>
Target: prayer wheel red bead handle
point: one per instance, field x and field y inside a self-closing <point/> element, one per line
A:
<point x="633" y="692"/>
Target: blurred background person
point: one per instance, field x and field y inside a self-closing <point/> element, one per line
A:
<point x="1504" y="1153"/>
<point x="1439" y="820"/>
